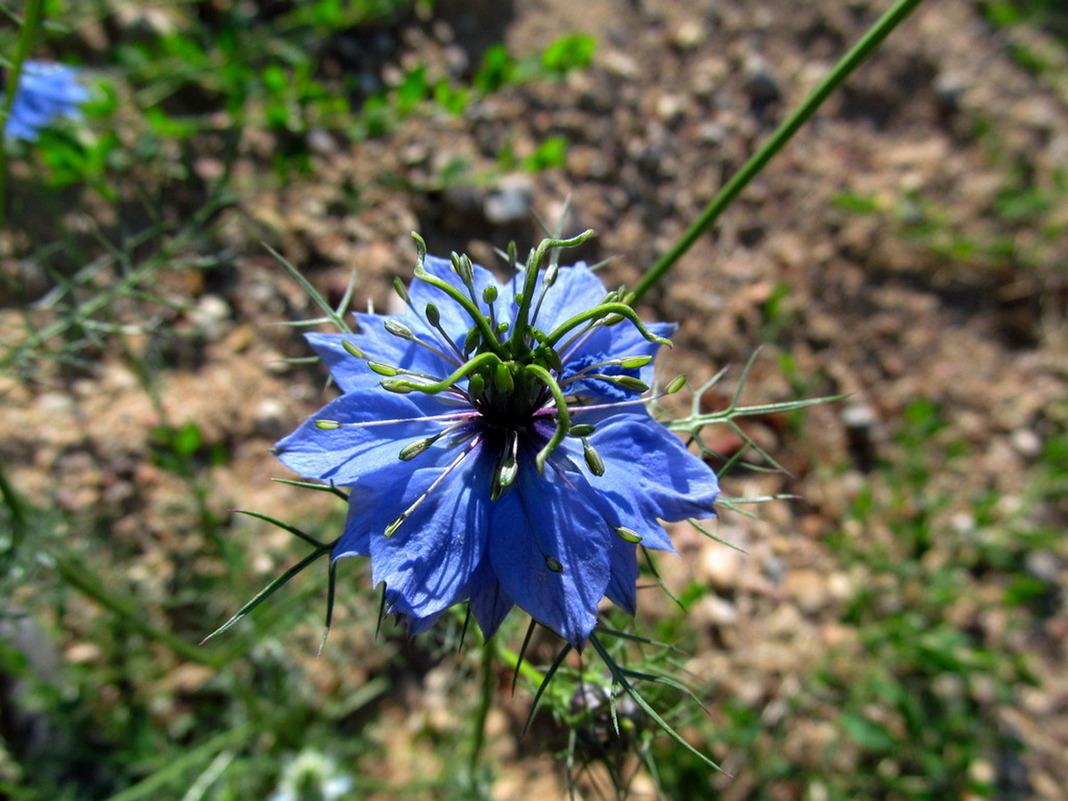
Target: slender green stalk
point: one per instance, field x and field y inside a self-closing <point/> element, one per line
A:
<point x="854" y="58"/>
<point x="31" y="23"/>
<point x="478" y="734"/>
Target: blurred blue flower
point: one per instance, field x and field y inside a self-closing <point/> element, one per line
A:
<point x="498" y="448"/>
<point x="46" y="92"/>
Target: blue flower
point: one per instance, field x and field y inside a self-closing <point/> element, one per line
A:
<point x="497" y="447"/>
<point x="46" y="92"/>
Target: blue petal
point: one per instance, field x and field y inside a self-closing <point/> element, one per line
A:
<point x="622" y="586"/>
<point x="544" y="517"/>
<point x="428" y="563"/>
<point x="490" y="604"/>
<point x="577" y="289"/>
<point x="454" y="319"/>
<point x="649" y="474"/>
<point x="352" y="373"/>
<point x="45" y="92"/>
<point x="345" y="455"/>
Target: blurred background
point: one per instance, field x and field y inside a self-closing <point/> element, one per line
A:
<point x="895" y="631"/>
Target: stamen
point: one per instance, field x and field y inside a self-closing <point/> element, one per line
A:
<point x="627" y="535"/>
<point x="330" y="425"/>
<point x="677" y="383"/>
<point x="507" y="468"/>
<point x="352" y="349"/>
<point x="391" y="529"/>
<point x="593" y="459"/>
<point x="399" y="329"/>
<point x="409" y="452"/>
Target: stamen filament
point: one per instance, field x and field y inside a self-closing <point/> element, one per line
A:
<point x="391" y="529"/>
<point x="461" y="416"/>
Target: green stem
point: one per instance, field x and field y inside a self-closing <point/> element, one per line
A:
<point x="854" y="58"/>
<point x="31" y="23"/>
<point x="485" y="701"/>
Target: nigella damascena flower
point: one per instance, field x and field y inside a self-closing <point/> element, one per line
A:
<point x="497" y="447"/>
<point x="46" y="92"/>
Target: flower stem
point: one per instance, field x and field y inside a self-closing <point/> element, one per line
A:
<point x="31" y="23"/>
<point x="478" y="733"/>
<point x="854" y="58"/>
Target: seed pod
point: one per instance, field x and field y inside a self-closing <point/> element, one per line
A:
<point x="634" y="362"/>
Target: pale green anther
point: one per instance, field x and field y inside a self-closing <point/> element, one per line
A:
<point x="633" y="362"/>
<point x="401" y="289"/>
<point x="678" y="383"/>
<point x="383" y="369"/>
<point x="629" y="382"/>
<point x="433" y="316"/>
<point x="550" y="274"/>
<point x="476" y="385"/>
<point x="593" y="459"/>
<point x="627" y="535"/>
<point x="507" y="469"/>
<point x="489" y="294"/>
<point x="399" y="329"/>
<point x="398" y="385"/>
<point x="391" y="529"/>
<point x="503" y="380"/>
<point x="411" y="451"/>
<point x="461" y="264"/>
<point x="327" y="425"/>
<point x="581" y="430"/>
<point x="554" y="565"/>
<point x="352" y="349"/>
